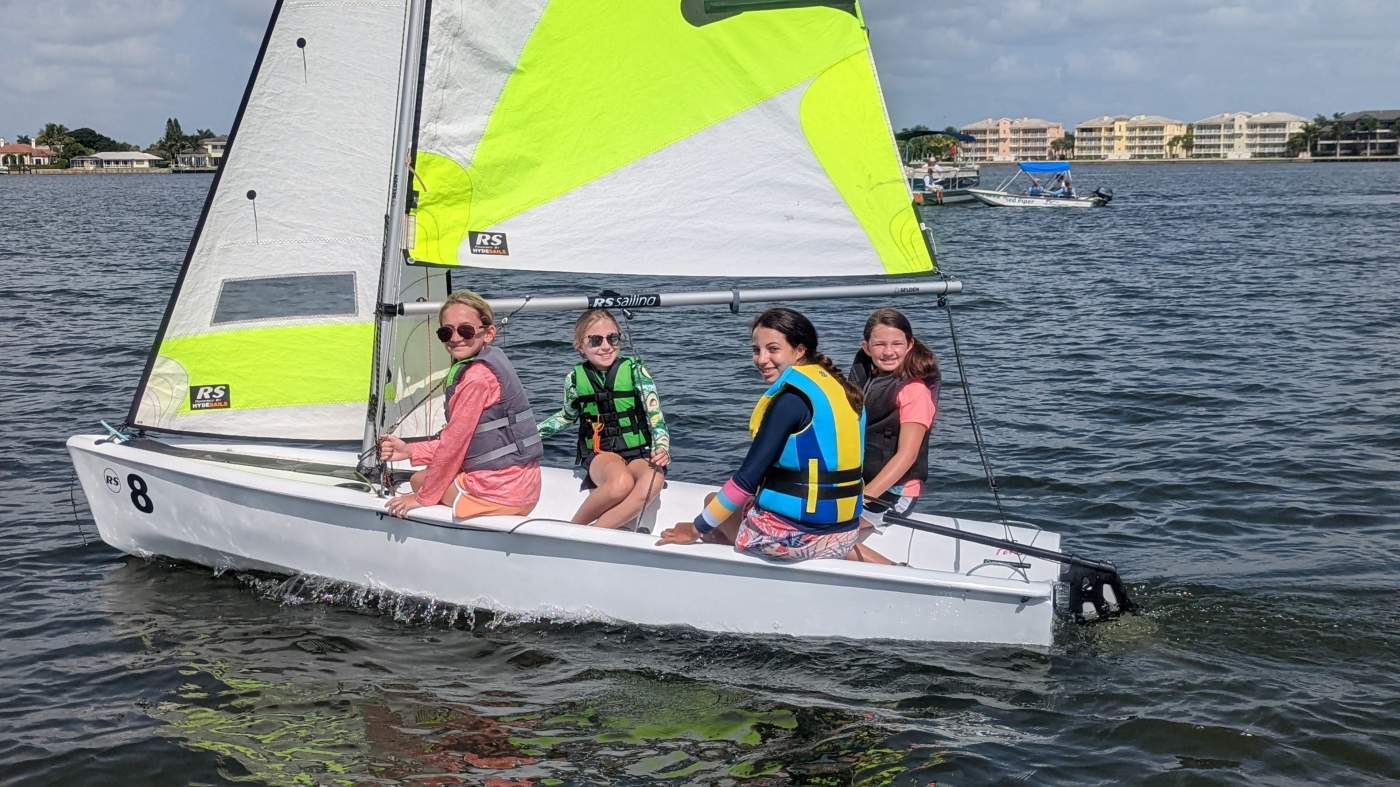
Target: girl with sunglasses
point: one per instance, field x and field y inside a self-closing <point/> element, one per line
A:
<point x="797" y="496"/>
<point x="623" y="445"/>
<point x="486" y="460"/>
<point x="899" y="375"/>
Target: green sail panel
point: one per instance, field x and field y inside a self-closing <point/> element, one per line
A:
<point x="656" y="138"/>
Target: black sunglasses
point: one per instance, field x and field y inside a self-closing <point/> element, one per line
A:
<point x="467" y="332"/>
<point x="597" y="341"/>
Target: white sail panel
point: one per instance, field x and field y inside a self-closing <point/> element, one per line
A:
<point x="730" y="144"/>
<point x="712" y="207"/>
<point x="270" y="332"/>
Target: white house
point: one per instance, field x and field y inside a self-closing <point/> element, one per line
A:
<point x="210" y="153"/>
<point x="20" y="155"/>
<point x="115" y="160"/>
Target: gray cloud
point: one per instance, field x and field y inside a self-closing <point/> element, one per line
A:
<point x="959" y="61"/>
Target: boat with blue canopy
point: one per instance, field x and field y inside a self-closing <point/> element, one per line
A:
<point x="1050" y="186"/>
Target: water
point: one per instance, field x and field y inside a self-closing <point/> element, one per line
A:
<point x="1198" y="382"/>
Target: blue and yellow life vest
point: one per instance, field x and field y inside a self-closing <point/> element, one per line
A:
<point x="817" y="479"/>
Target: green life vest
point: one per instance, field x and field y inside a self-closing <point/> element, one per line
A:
<point x="611" y="415"/>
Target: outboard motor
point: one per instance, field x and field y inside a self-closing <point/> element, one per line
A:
<point x="1102" y="195"/>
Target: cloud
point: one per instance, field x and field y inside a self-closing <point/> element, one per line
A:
<point x="1072" y="61"/>
<point x="249" y="17"/>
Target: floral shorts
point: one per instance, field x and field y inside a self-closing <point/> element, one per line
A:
<point x="765" y="534"/>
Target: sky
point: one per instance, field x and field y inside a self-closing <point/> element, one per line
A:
<point x="124" y="66"/>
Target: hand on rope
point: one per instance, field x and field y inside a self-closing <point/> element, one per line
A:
<point x="392" y="449"/>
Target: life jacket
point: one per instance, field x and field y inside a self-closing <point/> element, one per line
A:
<point x="817" y="478"/>
<point x="882" y="418"/>
<point x="506" y="435"/>
<point x="611" y="414"/>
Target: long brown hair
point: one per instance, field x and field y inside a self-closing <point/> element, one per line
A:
<point x="919" y="363"/>
<point x="798" y="330"/>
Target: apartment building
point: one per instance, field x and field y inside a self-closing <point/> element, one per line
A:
<point x="1011" y="139"/>
<point x="1150" y="136"/>
<point x="1125" y="137"/>
<point x="1372" y="132"/>
<point x="1104" y="137"/>
<point x="1242" y="135"/>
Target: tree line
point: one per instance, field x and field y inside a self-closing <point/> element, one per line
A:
<point x="69" y="144"/>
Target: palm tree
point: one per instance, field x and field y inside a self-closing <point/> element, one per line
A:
<point x="1369" y="125"/>
<point x="54" y="136"/>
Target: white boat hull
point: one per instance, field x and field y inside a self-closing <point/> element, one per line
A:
<point x="1000" y="199"/>
<point x="954" y="197"/>
<point x="232" y="516"/>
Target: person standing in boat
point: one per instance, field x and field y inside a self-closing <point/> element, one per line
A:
<point x="797" y="495"/>
<point x="623" y="444"/>
<point x="900" y="379"/>
<point x="486" y="460"/>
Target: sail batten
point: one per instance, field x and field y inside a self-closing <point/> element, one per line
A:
<point x="654" y="138"/>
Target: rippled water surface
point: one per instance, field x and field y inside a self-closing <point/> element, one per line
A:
<point x="1199" y="382"/>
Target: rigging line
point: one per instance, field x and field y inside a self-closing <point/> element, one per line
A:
<point x="972" y="416"/>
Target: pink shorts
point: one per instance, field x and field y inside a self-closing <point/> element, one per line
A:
<point x="768" y="535"/>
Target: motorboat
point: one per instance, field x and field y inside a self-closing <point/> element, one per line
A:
<point x="1060" y="194"/>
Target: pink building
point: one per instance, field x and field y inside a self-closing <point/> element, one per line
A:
<point x="1008" y="139"/>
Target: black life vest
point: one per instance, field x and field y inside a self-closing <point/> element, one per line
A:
<point x="611" y="414"/>
<point x="882" y="418"/>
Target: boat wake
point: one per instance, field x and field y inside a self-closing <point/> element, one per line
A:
<point x="404" y="608"/>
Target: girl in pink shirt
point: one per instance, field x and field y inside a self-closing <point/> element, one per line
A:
<point x="486" y="460"/>
<point x="900" y="377"/>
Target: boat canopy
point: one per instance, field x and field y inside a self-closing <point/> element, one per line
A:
<point x="914" y="134"/>
<point x="1044" y="167"/>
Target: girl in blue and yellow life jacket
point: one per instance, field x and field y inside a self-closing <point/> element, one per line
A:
<point x="623" y="445"/>
<point x="900" y="378"/>
<point x="797" y="495"/>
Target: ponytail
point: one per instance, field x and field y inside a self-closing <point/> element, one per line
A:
<point x="854" y="394"/>
<point x="919" y="363"/>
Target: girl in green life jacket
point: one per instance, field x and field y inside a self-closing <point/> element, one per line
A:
<point x="623" y="445"/>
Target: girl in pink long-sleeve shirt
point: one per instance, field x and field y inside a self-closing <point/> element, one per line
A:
<point x="477" y="466"/>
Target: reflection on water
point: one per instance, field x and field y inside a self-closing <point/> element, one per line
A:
<point x="248" y="695"/>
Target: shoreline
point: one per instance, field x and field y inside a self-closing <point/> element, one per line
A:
<point x="1279" y="160"/>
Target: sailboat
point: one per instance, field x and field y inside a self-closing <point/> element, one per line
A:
<point x="379" y="149"/>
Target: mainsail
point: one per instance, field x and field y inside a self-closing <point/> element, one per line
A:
<point x="658" y="137"/>
<point x="270" y="330"/>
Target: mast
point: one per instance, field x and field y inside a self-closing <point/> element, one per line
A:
<point x="415" y="45"/>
